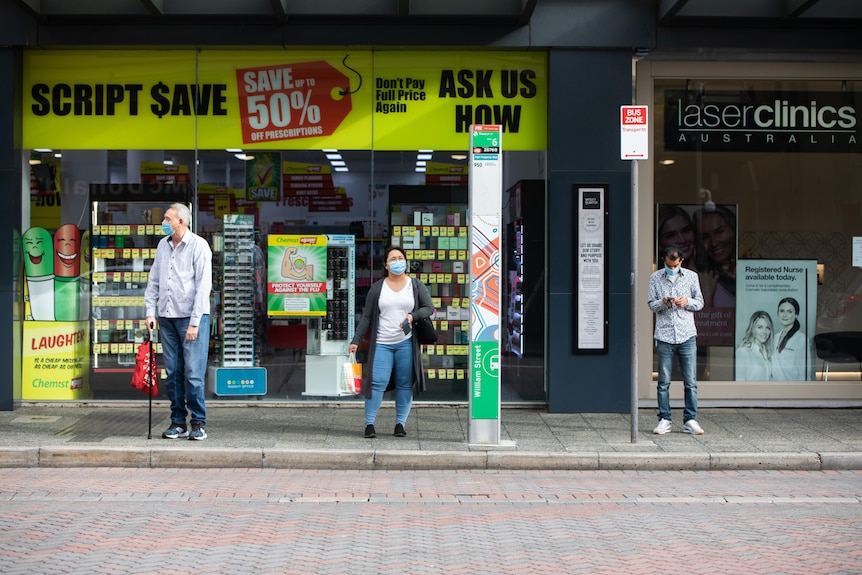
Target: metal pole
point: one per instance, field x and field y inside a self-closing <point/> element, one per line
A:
<point x="634" y="303"/>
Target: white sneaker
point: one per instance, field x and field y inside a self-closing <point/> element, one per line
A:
<point x="691" y="426"/>
<point x="664" y="426"/>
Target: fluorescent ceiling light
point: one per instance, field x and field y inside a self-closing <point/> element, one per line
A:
<point x="244" y="157"/>
<point x="43" y="150"/>
<point x="426" y="151"/>
<point x="459" y="156"/>
<point x="168" y="162"/>
<point x="234" y="150"/>
<point x="329" y="151"/>
<point x="333" y="156"/>
<point x="424" y="156"/>
<point x="35" y="161"/>
<point x="421" y="163"/>
<point x="342" y="169"/>
<point x="58" y="155"/>
<point x="420" y="169"/>
<point x="339" y="163"/>
<point x="667" y="162"/>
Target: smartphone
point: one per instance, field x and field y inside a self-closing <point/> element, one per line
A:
<point x="405" y="325"/>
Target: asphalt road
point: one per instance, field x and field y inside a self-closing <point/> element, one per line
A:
<point x="268" y="521"/>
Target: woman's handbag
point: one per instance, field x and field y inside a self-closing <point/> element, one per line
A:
<point x="424" y="331"/>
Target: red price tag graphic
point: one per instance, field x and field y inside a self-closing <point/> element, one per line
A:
<point x="291" y="101"/>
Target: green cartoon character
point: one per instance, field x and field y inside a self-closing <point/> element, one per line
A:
<point x="39" y="271"/>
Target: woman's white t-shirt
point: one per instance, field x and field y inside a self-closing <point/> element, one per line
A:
<point x="394" y="307"/>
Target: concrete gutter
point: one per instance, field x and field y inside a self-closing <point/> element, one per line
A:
<point x="168" y="457"/>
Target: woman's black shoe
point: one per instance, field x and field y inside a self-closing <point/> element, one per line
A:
<point x="399" y="430"/>
<point x="369" y="431"/>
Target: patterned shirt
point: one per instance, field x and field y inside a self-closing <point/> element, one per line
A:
<point x="673" y="324"/>
<point x="181" y="279"/>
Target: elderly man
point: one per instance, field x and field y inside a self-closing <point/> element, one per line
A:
<point x="180" y="283"/>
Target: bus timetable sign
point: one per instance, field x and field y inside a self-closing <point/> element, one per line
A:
<point x="634" y="133"/>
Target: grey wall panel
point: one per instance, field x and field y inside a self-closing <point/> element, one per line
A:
<point x="587" y="89"/>
<point x="10" y="221"/>
<point x="589" y="383"/>
<point x="274" y="35"/>
<point x="747" y="41"/>
<point x="18" y="27"/>
<point x="594" y="24"/>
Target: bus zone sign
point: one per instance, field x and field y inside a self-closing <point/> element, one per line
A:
<point x="634" y="133"/>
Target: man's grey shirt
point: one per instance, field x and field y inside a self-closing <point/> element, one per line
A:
<point x="181" y="279"/>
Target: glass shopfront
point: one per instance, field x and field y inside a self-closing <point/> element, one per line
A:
<point x="757" y="178"/>
<point x="358" y="150"/>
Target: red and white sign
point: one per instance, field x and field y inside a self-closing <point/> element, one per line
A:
<point x="291" y="101"/>
<point x="634" y="133"/>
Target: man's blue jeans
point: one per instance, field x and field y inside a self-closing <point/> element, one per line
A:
<point x="687" y="353"/>
<point x="186" y="366"/>
<point x="391" y="359"/>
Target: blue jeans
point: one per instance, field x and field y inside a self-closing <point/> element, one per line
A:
<point x="391" y="359"/>
<point x="687" y="353"/>
<point x="186" y="366"/>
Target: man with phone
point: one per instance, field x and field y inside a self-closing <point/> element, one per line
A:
<point x="674" y="296"/>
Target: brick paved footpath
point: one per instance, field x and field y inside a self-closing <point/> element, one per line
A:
<point x="265" y="521"/>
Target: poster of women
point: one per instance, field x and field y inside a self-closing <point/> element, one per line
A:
<point x="706" y="237"/>
<point x="775" y="319"/>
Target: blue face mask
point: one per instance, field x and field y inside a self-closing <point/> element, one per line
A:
<point x="671" y="272"/>
<point x="166" y="227"/>
<point x="398" y="267"/>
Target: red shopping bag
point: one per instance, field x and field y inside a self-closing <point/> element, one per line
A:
<point x="351" y="376"/>
<point x="144" y="375"/>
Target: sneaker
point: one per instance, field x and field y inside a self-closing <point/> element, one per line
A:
<point x="369" y="431"/>
<point x="176" y="431"/>
<point x="691" y="426"/>
<point x="199" y="431"/>
<point x="399" y="430"/>
<point x="664" y="426"/>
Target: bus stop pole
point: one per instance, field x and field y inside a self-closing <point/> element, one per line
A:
<point x="634" y="302"/>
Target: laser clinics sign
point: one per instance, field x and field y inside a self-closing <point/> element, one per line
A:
<point x="763" y="121"/>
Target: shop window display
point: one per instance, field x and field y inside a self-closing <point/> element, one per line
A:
<point x="758" y="184"/>
<point x="313" y="200"/>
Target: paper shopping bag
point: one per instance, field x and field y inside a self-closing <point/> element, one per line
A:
<point x="351" y="376"/>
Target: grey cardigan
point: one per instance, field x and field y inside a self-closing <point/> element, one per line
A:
<point x="422" y="307"/>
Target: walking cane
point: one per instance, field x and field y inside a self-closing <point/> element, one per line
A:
<point x="151" y="382"/>
<point x="152" y="388"/>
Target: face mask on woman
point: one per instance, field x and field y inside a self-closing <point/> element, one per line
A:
<point x="398" y="267"/>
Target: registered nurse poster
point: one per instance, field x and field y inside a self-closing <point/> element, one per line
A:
<point x="296" y="276"/>
<point x="775" y="319"/>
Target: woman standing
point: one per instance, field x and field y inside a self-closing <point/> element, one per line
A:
<point x="754" y="355"/>
<point x="791" y="352"/>
<point x="394" y="355"/>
